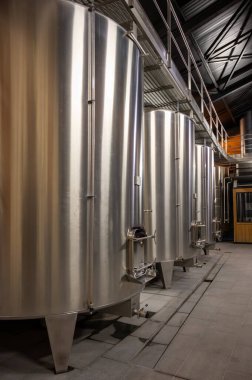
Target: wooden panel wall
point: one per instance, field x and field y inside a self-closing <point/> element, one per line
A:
<point x="234" y="145"/>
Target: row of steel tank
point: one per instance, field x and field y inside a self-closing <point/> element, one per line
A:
<point x="180" y="199"/>
<point x="92" y="204"/>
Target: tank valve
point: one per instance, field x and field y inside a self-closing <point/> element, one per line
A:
<point x="91" y="308"/>
<point x="140" y="312"/>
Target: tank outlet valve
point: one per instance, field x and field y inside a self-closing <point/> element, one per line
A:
<point x="138" y="270"/>
<point x="91" y="308"/>
<point x="198" y="231"/>
<point x="140" y="313"/>
<point x="217" y="233"/>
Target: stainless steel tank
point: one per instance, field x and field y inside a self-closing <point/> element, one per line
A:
<point x="205" y="190"/>
<point x="246" y="134"/>
<point x="199" y="184"/>
<point x="210" y="188"/>
<point x="168" y="183"/>
<point x="185" y="204"/>
<point x="219" y="201"/>
<point x="159" y="184"/>
<point x="70" y="129"/>
<point x="199" y="225"/>
<point x="159" y="200"/>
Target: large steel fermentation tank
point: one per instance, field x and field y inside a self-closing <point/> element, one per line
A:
<point x="219" y="180"/>
<point x="199" y="184"/>
<point x="169" y="184"/>
<point x="70" y="119"/>
<point x="246" y="134"/>
<point x="205" y="191"/>
<point x="219" y="201"/>
<point x="200" y="196"/>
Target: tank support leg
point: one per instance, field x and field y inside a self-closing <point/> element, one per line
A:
<point x="165" y="270"/>
<point x="60" y="330"/>
<point x="206" y="251"/>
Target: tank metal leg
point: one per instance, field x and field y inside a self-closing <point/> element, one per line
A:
<point x="126" y="308"/>
<point x="165" y="270"/>
<point x="185" y="263"/>
<point x="206" y="251"/>
<point x="60" y="330"/>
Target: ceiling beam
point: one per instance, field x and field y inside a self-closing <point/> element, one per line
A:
<point x="231" y="44"/>
<point x="207" y="14"/>
<point x="233" y="88"/>
<point x="226" y="58"/>
<point x="237" y="14"/>
<point x="231" y="74"/>
<point x="237" y="73"/>
<point x="201" y="55"/>
<point x="196" y="47"/>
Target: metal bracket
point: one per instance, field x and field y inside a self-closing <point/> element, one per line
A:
<point x="133" y="38"/>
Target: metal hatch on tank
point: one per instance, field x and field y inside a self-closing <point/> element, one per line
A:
<point x="70" y="131"/>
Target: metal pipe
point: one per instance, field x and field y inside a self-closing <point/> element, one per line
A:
<point x="169" y="33"/>
<point x="224" y="206"/>
<point x="91" y="150"/>
<point x="228" y="220"/>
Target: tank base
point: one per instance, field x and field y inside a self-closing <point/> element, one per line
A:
<point x="60" y="330"/>
<point x="126" y="308"/>
<point x="185" y="263"/>
<point x="165" y="270"/>
<point x="208" y="247"/>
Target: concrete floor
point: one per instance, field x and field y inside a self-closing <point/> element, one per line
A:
<point x="200" y="329"/>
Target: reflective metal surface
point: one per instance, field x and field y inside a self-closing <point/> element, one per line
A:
<point x="67" y="161"/>
<point x="168" y="183"/>
<point x="159" y="201"/>
<point x="60" y="328"/>
<point x="185" y="156"/>
<point x="199" y="184"/>
<point x="205" y="189"/>
<point x="219" y="183"/>
<point x="209" y="186"/>
<point x="246" y="134"/>
<point x="118" y="118"/>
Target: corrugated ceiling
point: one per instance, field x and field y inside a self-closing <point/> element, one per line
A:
<point x="207" y="21"/>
